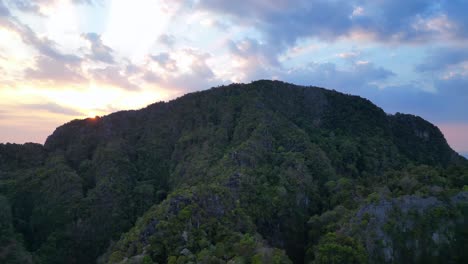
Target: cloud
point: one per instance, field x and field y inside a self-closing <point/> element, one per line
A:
<point x="187" y="61"/>
<point x="165" y="61"/>
<point x="48" y="48"/>
<point x="199" y="66"/>
<point x="417" y="21"/>
<point x="53" y="108"/>
<point x="446" y="70"/>
<point x="99" y="51"/>
<point x="43" y="45"/>
<point x="249" y="48"/>
<point x="446" y="104"/>
<point x="183" y="70"/>
<point x="51" y="65"/>
<point x="454" y="93"/>
<point x="4" y="11"/>
<point x="151" y="77"/>
<point x="348" y="55"/>
<point x="89" y="2"/>
<point x="354" y="79"/>
<point x="310" y="42"/>
<point x="26" y="6"/>
<point x="54" y="70"/>
<point x="315" y="18"/>
<point x="284" y="22"/>
<point x="35" y="7"/>
<point x="167" y="39"/>
<point x="442" y="58"/>
<point x="251" y="60"/>
<point x="456" y="10"/>
<point x="114" y="76"/>
<point x="132" y="69"/>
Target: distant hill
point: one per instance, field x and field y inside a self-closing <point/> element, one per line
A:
<point x="266" y="172"/>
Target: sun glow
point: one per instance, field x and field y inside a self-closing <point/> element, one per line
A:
<point x="19" y="55"/>
<point x="62" y="26"/>
<point x="144" y="21"/>
<point x="92" y="115"/>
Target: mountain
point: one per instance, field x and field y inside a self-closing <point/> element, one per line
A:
<point x="266" y="172"/>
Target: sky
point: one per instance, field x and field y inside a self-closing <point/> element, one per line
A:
<point x="67" y="59"/>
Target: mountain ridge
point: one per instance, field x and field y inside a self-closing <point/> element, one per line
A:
<point x="165" y="105"/>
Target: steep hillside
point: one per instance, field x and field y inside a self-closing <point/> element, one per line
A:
<point x="266" y="172"/>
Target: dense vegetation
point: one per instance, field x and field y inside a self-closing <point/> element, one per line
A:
<point x="266" y="172"/>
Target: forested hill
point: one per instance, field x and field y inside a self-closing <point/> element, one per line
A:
<point x="266" y="172"/>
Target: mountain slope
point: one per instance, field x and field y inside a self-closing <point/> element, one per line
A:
<point x="264" y="172"/>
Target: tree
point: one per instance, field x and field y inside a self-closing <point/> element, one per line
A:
<point x="336" y="248"/>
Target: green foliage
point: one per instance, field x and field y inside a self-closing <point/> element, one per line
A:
<point x="335" y="248"/>
<point x="11" y="248"/>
